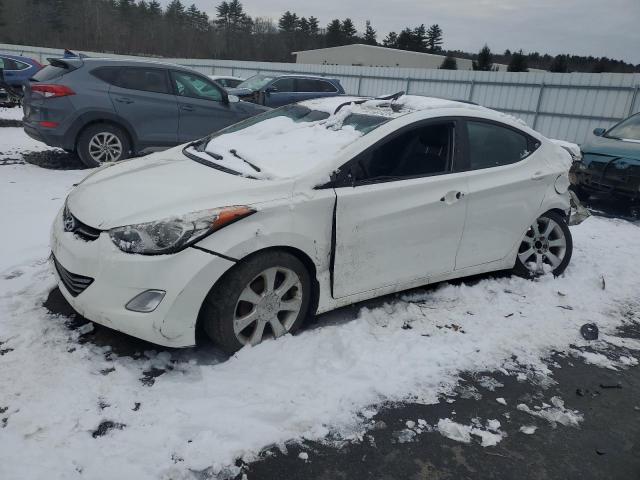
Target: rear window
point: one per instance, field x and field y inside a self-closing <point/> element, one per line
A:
<point x="50" y="72"/>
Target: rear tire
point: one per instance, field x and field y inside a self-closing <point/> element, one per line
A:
<point x="267" y="295"/>
<point x="103" y="143"/>
<point x="546" y="247"/>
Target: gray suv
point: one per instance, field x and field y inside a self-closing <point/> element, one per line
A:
<point x="107" y="109"/>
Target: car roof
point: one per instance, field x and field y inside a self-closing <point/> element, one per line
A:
<point x="300" y="75"/>
<point x="17" y="57"/>
<point x="96" y="61"/>
<point x="410" y="104"/>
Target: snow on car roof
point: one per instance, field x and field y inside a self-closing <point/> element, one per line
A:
<point x="404" y="105"/>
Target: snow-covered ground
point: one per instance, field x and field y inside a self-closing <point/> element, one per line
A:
<point x="71" y="409"/>
<point x="14" y="113"/>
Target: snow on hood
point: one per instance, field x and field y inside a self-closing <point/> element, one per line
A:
<point x="160" y="185"/>
<point x="282" y="147"/>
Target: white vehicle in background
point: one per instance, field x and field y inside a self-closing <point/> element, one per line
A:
<point x="308" y="208"/>
<point x="226" y="81"/>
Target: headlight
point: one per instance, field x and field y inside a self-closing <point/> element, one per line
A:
<point x="173" y="234"/>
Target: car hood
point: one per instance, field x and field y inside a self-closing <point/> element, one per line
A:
<point x="163" y="185"/>
<point x="611" y="148"/>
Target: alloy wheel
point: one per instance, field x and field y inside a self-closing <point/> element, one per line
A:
<point x="268" y="305"/>
<point x="544" y="243"/>
<point x="105" y="147"/>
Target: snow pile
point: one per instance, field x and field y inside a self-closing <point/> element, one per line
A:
<point x="528" y="429"/>
<point x="554" y="413"/>
<point x="489" y="436"/>
<point x="14" y="113"/>
<point x="71" y="406"/>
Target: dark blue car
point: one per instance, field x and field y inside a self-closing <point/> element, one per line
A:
<point x="278" y="90"/>
<point x="18" y="70"/>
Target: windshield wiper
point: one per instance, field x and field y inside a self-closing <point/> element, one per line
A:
<point x="235" y="153"/>
<point x="217" y="156"/>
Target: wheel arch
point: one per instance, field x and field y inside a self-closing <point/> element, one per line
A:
<point x="296" y="252"/>
<point x="115" y="123"/>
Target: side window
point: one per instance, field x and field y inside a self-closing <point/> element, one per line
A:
<point x="422" y="151"/>
<point x="194" y="86"/>
<point x="307" y="85"/>
<point x="492" y="146"/>
<point x="107" y="74"/>
<point x="325" y="87"/>
<point x="21" y="65"/>
<point x="146" y="79"/>
<point x="9" y="64"/>
<point x="285" y="85"/>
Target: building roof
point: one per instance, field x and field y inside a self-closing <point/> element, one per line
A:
<point x="372" y="48"/>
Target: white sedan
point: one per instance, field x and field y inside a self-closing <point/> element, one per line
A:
<point x="307" y="208"/>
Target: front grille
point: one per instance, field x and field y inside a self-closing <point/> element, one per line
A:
<point x="75" y="284"/>
<point x="82" y="230"/>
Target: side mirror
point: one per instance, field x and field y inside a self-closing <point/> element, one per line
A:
<point x="270" y="89"/>
<point x="233" y="99"/>
<point x="598" y="132"/>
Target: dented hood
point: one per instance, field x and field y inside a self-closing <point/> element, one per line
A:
<point x="163" y="185"/>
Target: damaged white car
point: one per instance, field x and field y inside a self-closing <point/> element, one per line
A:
<point x="307" y="208"/>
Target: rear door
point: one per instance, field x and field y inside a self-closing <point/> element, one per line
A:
<point x="507" y="181"/>
<point x="143" y="97"/>
<point x="281" y="92"/>
<point x="202" y="105"/>
<point x="400" y="211"/>
<point x="313" y="88"/>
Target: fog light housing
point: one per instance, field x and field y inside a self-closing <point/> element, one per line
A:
<point x="146" y="301"/>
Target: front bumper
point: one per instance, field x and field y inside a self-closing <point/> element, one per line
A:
<point x="116" y="277"/>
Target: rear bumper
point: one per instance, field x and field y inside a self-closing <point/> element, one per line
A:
<point x="50" y="136"/>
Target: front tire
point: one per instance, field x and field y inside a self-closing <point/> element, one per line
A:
<point x="103" y="143"/>
<point x="546" y="247"/>
<point x="266" y="296"/>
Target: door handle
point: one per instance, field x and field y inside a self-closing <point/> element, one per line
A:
<point x="124" y="100"/>
<point x="452" y="197"/>
<point x="538" y="176"/>
<point x="187" y="108"/>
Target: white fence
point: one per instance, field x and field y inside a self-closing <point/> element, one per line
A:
<point x="560" y="105"/>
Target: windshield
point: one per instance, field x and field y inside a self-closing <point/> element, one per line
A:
<point x="284" y="142"/>
<point x="256" y="82"/>
<point x="628" y="129"/>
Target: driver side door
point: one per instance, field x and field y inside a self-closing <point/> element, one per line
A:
<point x="203" y="107"/>
<point x="400" y="211"/>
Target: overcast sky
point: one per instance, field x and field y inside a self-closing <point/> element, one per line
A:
<point x="585" y="27"/>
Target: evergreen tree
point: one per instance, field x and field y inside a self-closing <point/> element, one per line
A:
<point x="601" y="66"/>
<point x="484" y="62"/>
<point x="518" y="63"/>
<point x="175" y="11"/>
<point x="334" y="33"/>
<point x="391" y="40"/>
<point x="559" y="64"/>
<point x="449" y="63"/>
<point x="288" y="22"/>
<point x="57" y="15"/>
<point x="369" y="34"/>
<point x="434" y="38"/>
<point x="314" y="26"/>
<point x="303" y="26"/>
<point x="418" y="42"/>
<point x="154" y="8"/>
<point x="405" y="40"/>
<point x="348" y="31"/>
